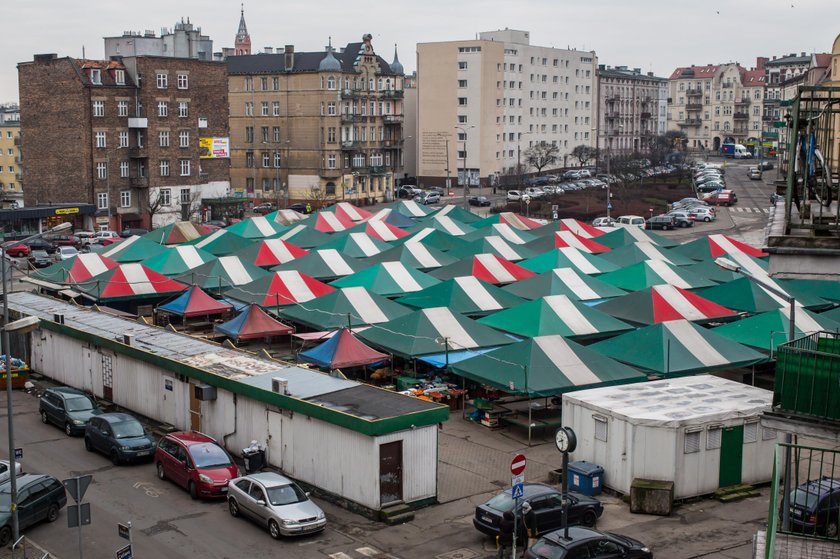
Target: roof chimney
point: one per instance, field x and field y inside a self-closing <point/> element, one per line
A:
<point x="268" y="50"/>
<point x="760" y="62"/>
<point x="44" y="57"/>
<point x="290" y="57"/>
<point x="803" y="54"/>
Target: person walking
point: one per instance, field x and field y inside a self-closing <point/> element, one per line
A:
<point x="529" y="526"/>
<point x="505" y="538"/>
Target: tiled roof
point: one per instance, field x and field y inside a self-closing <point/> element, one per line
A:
<point x="789" y="60"/>
<point x="304" y="62"/>
<point x="695" y="72"/>
<point x="753" y="78"/>
<point x="823" y="60"/>
<point x="106" y="68"/>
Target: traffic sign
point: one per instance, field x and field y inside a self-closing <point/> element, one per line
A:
<point x="124" y="552"/>
<point x="78" y="515"/>
<point x="77" y="486"/>
<point x="517" y="480"/>
<point x="517" y="465"/>
<point x="18" y="454"/>
<point x="124" y="531"/>
<point x="609" y="205"/>
<point x="517" y="491"/>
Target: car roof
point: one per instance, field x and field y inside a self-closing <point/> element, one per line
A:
<point x="190" y="437"/>
<point x="116" y="417"/>
<point x="66" y="391"/>
<point x="23" y="480"/>
<point x="269" y="479"/>
<point x="577" y="534"/>
<point x="821" y="486"/>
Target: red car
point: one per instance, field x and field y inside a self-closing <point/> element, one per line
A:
<point x="17" y="250"/>
<point x="196" y="462"/>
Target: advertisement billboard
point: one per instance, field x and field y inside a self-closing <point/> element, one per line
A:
<point x="214" y="148"/>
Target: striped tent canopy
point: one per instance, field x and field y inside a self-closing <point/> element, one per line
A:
<point x="382" y="230"/>
<point x="347" y="211"/>
<point x="745" y="295"/>
<point x="271" y="252"/>
<point x="259" y="227"/>
<point x="221" y="243"/>
<point x="356" y="245"/>
<point x="328" y="264"/>
<point x="824" y="289"/>
<point x="665" y="302"/>
<point x="178" y="259"/>
<point x="545" y="366"/>
<point x="389" y="279"/>
<point x="640" y="252"/>
<point x="411" y="208"/>
<point x="195" y="302"/>
<point x="428" y="331"/>
<point x="286" y="217"/>
<point x="433" y="238"/>
<point x="767" y="330"/>
<point x="280" y="289"/>
<point x="415" y="255"/>
<point x="568" y="257"/>
<point x="627" y="235"/>
<point x="81" y="267"/>
<point x="561" y="239"/>
<point x="556" y="314"/>
<point x="493" y="244"/>
<point x="711" y="271"/>
<point x="252" y="323"/>
<point x="393" y="217"/>
<point x="343" y="350"/>
<point x="133" y="249"/>
<point x="466" y="295"/>
<point x="568" y="224"/>
<point x="222" y="273"/>
<point x="656" y="272"/>
<point x="129" y="281"/>
<point x="303" y="236"/>
<point x="713" y="246"/>
<point x="565" y="281"/>
<point x="507" y="232"/>
<point x="177" y="233"/>
<point x="456" y="213"/>
<point x="446" y="224"/>
<point x="511" y="219"/>
<point x="678" y="348"/>
<point x="486" y="267"/>
<point x="351" y="306"/>
<point x="331" y="222"/>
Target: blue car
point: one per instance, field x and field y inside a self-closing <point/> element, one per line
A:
<point x="120" y="437"/>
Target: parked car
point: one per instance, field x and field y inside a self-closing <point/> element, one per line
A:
<point x="479" y="201"/>
<point x="585" y="542"/>
<point x="68" y="408"/>
<point x="66" y="253"/>
<point x="300" y="207"/>
<point x="664" y="222"/>
<point x="40" y="259"/>
<point x="16" y="250"/>
<point x="755" y="174"/>
<point x="275" y="502"/>
<point x="120" y="437"/>
<point x="408" y="191"/>
<point x="39" y="497"/>
<point x="101" y="236"/>
<point x="85" y="237"/>
<point x="65" y="241"/>
<point x="427" y="198"/>
<point x="196" y="462"/>
<point x="702" y="213"/>
<point x="535" y="192"/>
<point x="708" y="187"/>
<point x="132" y="231"/>
<point x="603" y="222"/>
<point x="721" y="198"/>
<point x="218" y="223"/>
<point x="512" y="196"/>
<point x="765" y="165"/>
<point x="547" y="504"/>
<point x="815" y="507"/>
<point x="631" y="220"/>
<point x="4" y="470"/>
<point x="681" y="218"/>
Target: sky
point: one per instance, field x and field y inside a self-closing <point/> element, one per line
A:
<point x="654" y="35"/>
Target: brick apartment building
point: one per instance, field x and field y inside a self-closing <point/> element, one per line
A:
<point x="124" y="134"/>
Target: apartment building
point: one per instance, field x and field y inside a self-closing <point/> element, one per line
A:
<point x="11" y="174"/>
<point x="316" y="126"/>
<point x="182" y="41"/>
<point x="9" y="113"/>
<point x="481" y="103"/>
<point x="631" y="109"/>
<point x="143" y="138"/>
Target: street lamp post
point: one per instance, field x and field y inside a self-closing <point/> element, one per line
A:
<point x="23" y="325"/>
<point x="463" y="131"/>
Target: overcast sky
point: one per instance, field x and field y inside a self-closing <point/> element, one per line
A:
<point x="655" y="35"/>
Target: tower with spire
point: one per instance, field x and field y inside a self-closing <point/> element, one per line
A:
<point x="242" y="45"/>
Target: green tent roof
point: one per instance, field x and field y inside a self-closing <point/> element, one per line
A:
<point x="455" y="212"/>
<point x="303" y="236"/>
<point x="711" y="271"/>
<point x="628" y="235"/>
<point x="356" y="244"/>
<point x="634" y="253"/>
<point x="545" y="366"/>
<point x="389" y="279"/>
<point x="432" y="237"/>
<point x="493" y="244"/>
<point x="222" y="273"/>
<point x="178" y="259"/>
<point x="416" y="255"/>
<point x="569" y="257"/>
<point x="444" y="223"/>
<point x="556" y="314"/>
<point x="133" y="249"/>
<point x="665" y="302"/>
<point x="715" y="245"/>
<point x="221" y="243"/>
<point x="324" y="264"/>
<point x="432" y="331"/>
<point x="508" y="233"/>
<point x="564" y="281"/>
<point x="745" y="295"/>
<point x="677" y="348"/>
<point x="466" y="295"/>
<point x="767" y="330"/>
<point x="655" y="272"/>
<point x="353" y="306"/>
<point x="258" y="227"/>
<point x="177" y="233"/>
<point x="824" y="289"/>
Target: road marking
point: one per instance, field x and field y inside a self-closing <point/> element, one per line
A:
<point x="741" y="209"/>
<point x="149" y="489"/>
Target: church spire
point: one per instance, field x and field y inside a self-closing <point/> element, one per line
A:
<point x="242" y="45"/>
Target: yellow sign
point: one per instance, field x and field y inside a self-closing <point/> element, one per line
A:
<point x="214" y="148"/>
<point x="65" y="211"/>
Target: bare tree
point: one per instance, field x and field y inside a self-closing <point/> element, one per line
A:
<point x="318" y="198"/>
<point x="584" y="153"/>
<point x="190" y="207"/>
<point x="541" y="155"/>
<point x="153" y="206"/>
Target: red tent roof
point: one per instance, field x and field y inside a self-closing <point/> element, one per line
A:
<point x="496" y="270"/>
<point x="564" y="238"/>
<point x="196" y="302"/>
<point x="343" y="350"/>
<point x="252" y="323"/>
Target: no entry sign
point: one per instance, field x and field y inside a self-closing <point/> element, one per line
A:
<point x="517" y="465"/>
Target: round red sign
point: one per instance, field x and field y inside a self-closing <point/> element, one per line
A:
<point x="517" y="465"/>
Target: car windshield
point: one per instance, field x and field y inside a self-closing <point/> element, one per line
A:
<point x="286" y="495"/>
<point x="40" y="254"/>
<point x="80" y="403"/>
<point x="547" y="550"/>
<point x="805" y="499"/>
<point x="501" y="502"/>
<point x="209" y="456"/>
<point x="128" y="429"/>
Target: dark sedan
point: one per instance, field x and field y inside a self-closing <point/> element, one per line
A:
<point x="39" y="497"/>
<point x="479" y="201"/>
<point x="120" y="437"/>
<point x="584" y="542"/>
<point x="547" y="505"/>
<point x="40" y="259"/>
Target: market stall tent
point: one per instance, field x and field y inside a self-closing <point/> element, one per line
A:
<point x="221" y="243"/>
<point x="356" y="245"/>
<point x="350" y="306"/>
<point x="258" y="227"/>
<point x="656" y="272"/>
<point x="329" y="222"/>
<point x="457" y="213"/>
<point x="348" y="211"/>
<point x="767" y="330"/>
<point x="432" y="237"/>
<point x="271" y="252"/>
<point x="626" y="235"/>
<point x="285" y="217"/>
<point x="341" y="351"/>
<point x="568" y="257"/>
<point x="416" y="255"/>
<point x="507" y="232"/>
<point x="466" y="295"/>
<point x="177" y="233"/>
<point x="664" y="302"/>
<point x="565" y="281"/>
<point x="178" y="259"/>
<point x="389" y="279"/>
<point x="133" y="249"/>
<point x="222" y="273"/>
<point x="446" y="224"/>
<point x="412" y="209"/>
<point x="562" y="239"/>
<point x="327" y="264"/>
<point x="716" y="245"/>
<point x="640" y="252"/>
<point x="746" y="295"/>
<point x="195" y="302"/>
<point x="493" y="244"/>
<point x="252" y="323"/>
<point x="384" y="231"/>
<point x="303" y="236"/>
<point x="701" y="432"/>
<point x="287" y="287"/>
<point x="127" y="282"/>
<point x="512" y="219"/>
<point x="81" y="267"/>
<point x="486" y="267"/>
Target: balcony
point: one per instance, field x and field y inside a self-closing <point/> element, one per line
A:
<point x="393" y="143"/>
<point x="393" y="119"/>
<point x="19" y="177"/>
<point x="393" y="93"/>
<point x="691" y="122"/>
<point x="741" y="116"/>
<point x="740" y="131"/>
<point x="644" y="116"/>
<point x="613" y="98"/>
<point x="353" y="118"/>
<point x="376" y="170"/>
<point x="743" y="101"/>
<point x="138" y="122"/>
<point x="694" y="107"/>
<point x="768" y="118"/>
<point x="137" y="153"/>
<point x="17" y="140"/>
<point x="138" y="182"/>
<point x="349" y="144"/>
<point x="696" y="92"/>
<point x="328" y="173"/>
<point x="611" y="114"/>
<point x="351" y="93"/>
<point x="727" y="85"/>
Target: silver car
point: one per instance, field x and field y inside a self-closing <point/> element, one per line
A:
<point x="276" y="502"/>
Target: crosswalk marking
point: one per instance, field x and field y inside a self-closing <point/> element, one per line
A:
<point x="741" y="209"/>
<point x="369" y="552"/>
<point x="339" y="555"/>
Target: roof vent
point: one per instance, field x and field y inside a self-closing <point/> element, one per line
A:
<point x="58" y="318"/>
<point x="280" y="386"/>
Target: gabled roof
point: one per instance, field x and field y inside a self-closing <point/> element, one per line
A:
<point x="695" y="72"/>
<point x="753" y="78"/>
<point x="304" y="62"/>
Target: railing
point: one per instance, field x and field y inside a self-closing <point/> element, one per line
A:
<point x="611" y="114"/>
<point x="137" y="152"/>
<point x="741" y="116"/>
<point x="17" y="140"/>
<point x="743" y="101"/>
<point x="19" y="177"/>
<point x="393" y="93"/>
<point x="353" y="118"/>
<point x="393" y="143"/>
<point x="694" y="107"/>
<point x="644" y="115"/>
<point x="349" y="144"/>
<point x="350" y="93"/>
<point x="691" y="122"/>
<point x="727" y="85"/>
<point x="768" y="118"/>
<point x="139" y="182"/>
<point x="807" y="379"/>
<point x="393" y="119"/>
<point x="376" y="170"/>
<point x="613" y="98"/>
<point x="694" y="92"/>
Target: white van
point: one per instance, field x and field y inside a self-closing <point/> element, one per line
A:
<point x="631" y="220"/>
<point x="741" y="152"/>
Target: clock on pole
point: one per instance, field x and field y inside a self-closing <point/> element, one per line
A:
<point x="565" y="439"/>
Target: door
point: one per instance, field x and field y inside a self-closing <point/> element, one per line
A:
<point x="390" y="473"/>
<point x="107" y="377"/>
<point x="731" y="455"/>
<point x="195" y="410"/>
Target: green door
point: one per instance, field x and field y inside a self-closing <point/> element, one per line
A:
<point x="731" y="455"/>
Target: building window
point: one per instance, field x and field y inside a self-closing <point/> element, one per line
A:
<point x="266" y="185"/>
<point x="95" y="77"/>
<point x="277" y="159"/>
<point x="462" y="65"/>
<point x="713" y="437"/>
<point x="123" y="136"/>
<point x="164" y="167"/>
<point x="751" y="432"/>
<point x="125" y="198"/>
<point x="264" y="108"/>
<point x="692" y="441"/>
<point x="600" y="428"/>
<point x="331" y="108"/>
<point x="183" y="109"/>
<point x="101" y="141"/>
<point x="185" y="167"/>
<point x="331" y="82"/>
<point x="163" y="108"/>
<point x="331" y="135"/>
<point x="162" y="81"/>
<point x="101" y="170"/>
<point x="768" y="434"/>
<point x="249" y="108"/>
<point x="185" y="195"/>
<point x="275" y="108"/>
<point x="462" y="119"/>
<point x="249" y="158"/>
<point x="275" y="133"/>
<point x="183" y="81"/>
<point x="264" y="131"/>
<point x="462" y="83"/>
<point x="275" y="84"/>
<point x="331" y="162"/>
<point x="266" y="159"/>
<point x="249" y="134"/>
<point x="163" y="138"/>
<point x="124" y="169"/>
<point x="122" y="108"/>
<point x="462" y="101"/>
<point x="249" y="184"/>
<point x="165" y="197"/>
<point x="102" y="200"/>
<point x="99" y="108"/>
<point x="184" y="138"/>
<point x="119" y="77"/>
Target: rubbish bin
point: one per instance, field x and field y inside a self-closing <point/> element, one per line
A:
<point x="254" y="458"/>
<point x="585" y="477"/>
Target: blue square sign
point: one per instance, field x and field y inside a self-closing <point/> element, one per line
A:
<point x="518" y="491"/>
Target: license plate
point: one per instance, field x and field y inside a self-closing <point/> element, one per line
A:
<point x="144" y="453"/>
<point x="487" y="519"/>
<point x="224" y="489"/>
<point x="796" y="512"/>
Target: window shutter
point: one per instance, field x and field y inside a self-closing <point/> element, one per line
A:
<point x="768" y="434"/>
<point x="751" y="432"/>
<point x="713" y="438"/>
<point x="600" y="429"/>
<point x="692" y="441"/>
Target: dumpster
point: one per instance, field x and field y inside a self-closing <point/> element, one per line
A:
<point x="254" y="458"/>
<point x="585" y="477"/>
